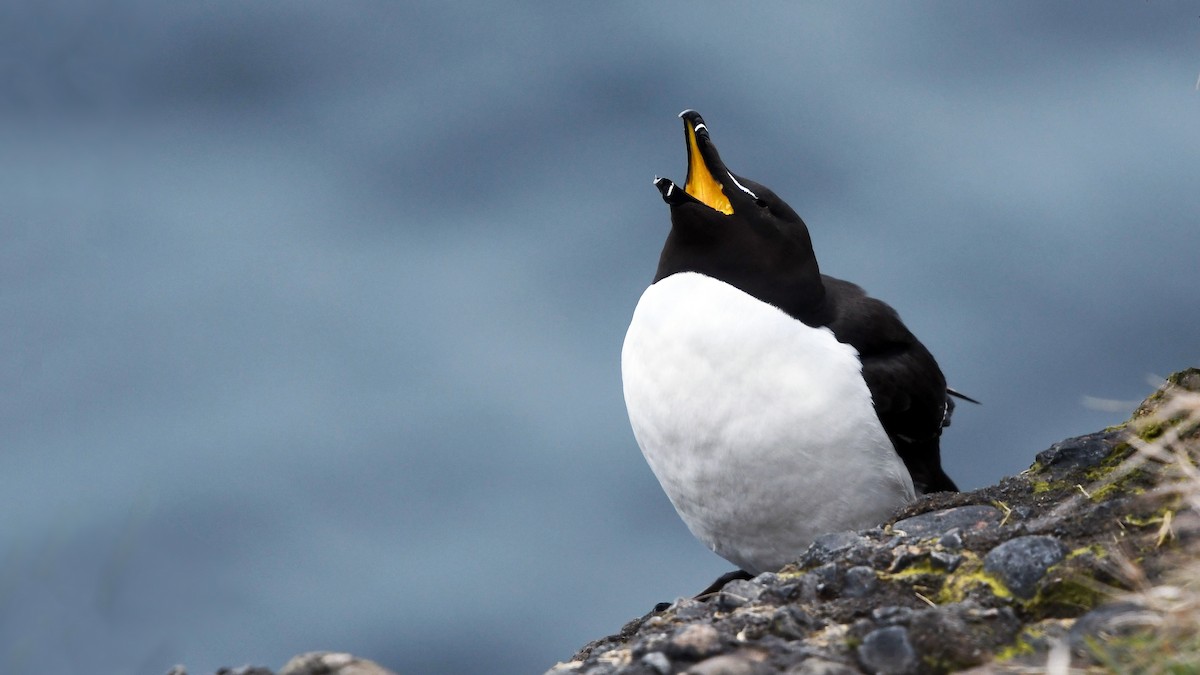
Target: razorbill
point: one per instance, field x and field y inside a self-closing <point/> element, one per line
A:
<point x="773" y="403"/>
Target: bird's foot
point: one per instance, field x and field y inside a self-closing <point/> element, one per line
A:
<point x="716" y="586"/>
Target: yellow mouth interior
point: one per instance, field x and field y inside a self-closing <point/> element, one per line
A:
<point x="700" y="181"/>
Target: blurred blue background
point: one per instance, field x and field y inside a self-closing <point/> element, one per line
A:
<point x="312" y="311"/>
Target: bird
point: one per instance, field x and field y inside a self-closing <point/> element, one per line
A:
<point x="773" y="403"/>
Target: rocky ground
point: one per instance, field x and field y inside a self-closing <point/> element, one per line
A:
<point x="1035" y="571"/>
<point x="312" y="663"/>
<point x="1088" y="559"/>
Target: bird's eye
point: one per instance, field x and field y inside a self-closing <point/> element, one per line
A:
<point x="761" y="203"/>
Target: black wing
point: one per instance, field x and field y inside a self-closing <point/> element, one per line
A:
<point x="907" y="386"/>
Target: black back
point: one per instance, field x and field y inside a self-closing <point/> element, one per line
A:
<point x="907" y="386"/>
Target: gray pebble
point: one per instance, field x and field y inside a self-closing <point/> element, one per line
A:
<point x="820" y="583"/>
<point x="946" y="561"/>
<point x="332" y="663"/>
<point x="904" y="556"/>
<point x="727" y="664"/>
<point x="782" y="592"/>
<point x="887" y="651"/>
<point x="766" y="579"/>
<point x="657" y="661"/>
<point x="1022" y="562"/>
<point x="936" y="523"/>
<point x="860" y="581"/>
<point x="891" y="614"/>
<point x="1080" y="452"/>
<point x="951" y="540"/>
<point x="829" y="547"/>
<point x="738" y="593"/>
<point x="790" y="623"/>
<point x="687" y="608"/>
<point x="694" y="642"/>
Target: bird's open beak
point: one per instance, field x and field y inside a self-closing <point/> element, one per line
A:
<point x="701" y="182"/>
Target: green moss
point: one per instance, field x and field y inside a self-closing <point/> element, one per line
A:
<point x="1040" y="486"/>
<point x="921" y="576"/>
<point x="1114" y="489"/>
<point x="937" y="665"/>
<point x="1159" y="522"/>
<point x="1069" y="589"/>
<point x="968" y="576"/>
<point x="1072" y="596"/>
<point x="946" y="587"/>
<point x="1178" y="378"/>
<point x="1188" y="380"/>
<point x="1094" y="475"/>
<point x="916" y="569"/>
<point x="1131" y="483"/>
<point x="1155" y="519"/>
<point x="791" y="571"/>
<point x="1018" y="648"/>
<point x="959" y="585"/>
<point x="1025" y="643"/>
<point x="1116" y="457"/>
<point x="1095" y="550"/>
<point x="1152" y="430"/>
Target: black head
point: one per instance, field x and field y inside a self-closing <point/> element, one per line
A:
<point x="736" y="230"/>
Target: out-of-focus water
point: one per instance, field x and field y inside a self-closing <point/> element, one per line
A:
<point x="312" y="312"/>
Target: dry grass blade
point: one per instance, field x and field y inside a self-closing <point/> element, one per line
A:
<point x="1165" y="438"/>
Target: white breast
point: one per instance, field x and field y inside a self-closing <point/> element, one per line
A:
<point x="759" y="427"/>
